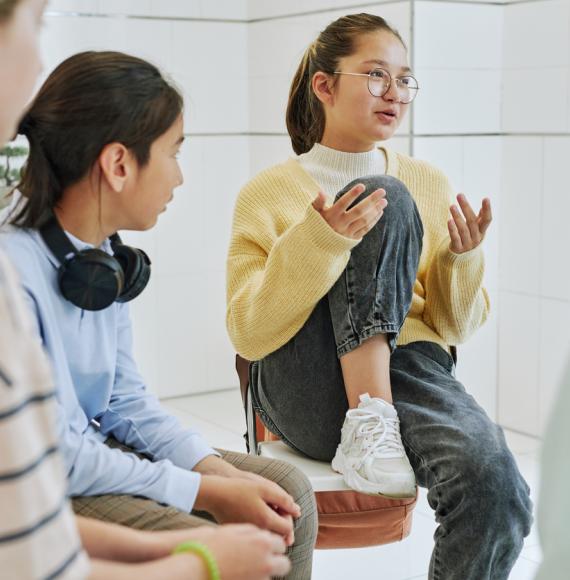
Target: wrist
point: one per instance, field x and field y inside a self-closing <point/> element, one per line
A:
<point x="214" y="465"/>
<point x="209" y="492"/>
<point x="188" y="565"/>
<point x="200" y="550"/>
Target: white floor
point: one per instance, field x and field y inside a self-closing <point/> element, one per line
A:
<point x="219" y="417"/>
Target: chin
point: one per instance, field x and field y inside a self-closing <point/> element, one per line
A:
<point x="384" y="133"/>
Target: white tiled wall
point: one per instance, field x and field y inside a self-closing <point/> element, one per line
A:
<point x="493" y="113"/>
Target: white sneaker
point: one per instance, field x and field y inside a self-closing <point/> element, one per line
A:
<point x="370" y="455"/>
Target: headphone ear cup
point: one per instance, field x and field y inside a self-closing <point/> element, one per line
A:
<point x="136" y="267"/>
<point x="91" y="279"/>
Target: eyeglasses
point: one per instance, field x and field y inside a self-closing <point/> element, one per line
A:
<point x="380" y="81"/>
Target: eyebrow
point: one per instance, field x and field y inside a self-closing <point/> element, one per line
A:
<point x="405" y="69"/>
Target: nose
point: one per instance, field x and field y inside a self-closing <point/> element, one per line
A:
<point x="392" y="94"/>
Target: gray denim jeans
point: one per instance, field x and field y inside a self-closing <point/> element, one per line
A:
<point x="481" y="501"/>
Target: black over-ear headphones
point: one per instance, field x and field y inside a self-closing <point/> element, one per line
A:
<point x="92" y="279"/>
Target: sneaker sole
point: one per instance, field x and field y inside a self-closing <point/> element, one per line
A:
<point x="358" y="483"/>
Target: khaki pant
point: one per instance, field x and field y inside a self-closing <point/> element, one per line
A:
<point x="146" y="514"/>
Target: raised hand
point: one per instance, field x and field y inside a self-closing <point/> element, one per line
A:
<point x="467" y="229"/>
<point x="356" y="221"/>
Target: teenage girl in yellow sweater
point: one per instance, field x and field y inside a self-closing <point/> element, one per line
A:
<point x="319" y="285"/>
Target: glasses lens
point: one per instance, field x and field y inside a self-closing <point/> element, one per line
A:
<point x="378" y="82"/>
<point x="407" y="89"/>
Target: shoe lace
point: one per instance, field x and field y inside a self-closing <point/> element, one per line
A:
<point x="381" y="435"/>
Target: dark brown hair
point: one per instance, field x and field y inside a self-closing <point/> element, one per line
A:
<point x="305" y="114"/>
<point x="7" y="8"/>
<point x="90" y="100"/>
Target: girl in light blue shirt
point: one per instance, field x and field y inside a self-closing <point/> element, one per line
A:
<point x="104" y="134"/>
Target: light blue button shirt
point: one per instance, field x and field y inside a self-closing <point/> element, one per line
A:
<point x="101" y="392"/>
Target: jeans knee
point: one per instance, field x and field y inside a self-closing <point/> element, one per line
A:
<point x="401" y="209"/>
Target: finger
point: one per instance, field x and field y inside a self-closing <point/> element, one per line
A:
<point x="462" y="228"/>
<point x="368" y="211"/>
<point x="280" y="566"/>
<point x="363" y="231"/>
<point x="280" y="500"/>
<point x="370" y="201"/>
<point x="466" y="207"/>
<point x="279" y="524"/>
<point x="290" y="537"/>
<point x="276" y="543"/>
<point x="320" y="201"/>
<point x="485" y="216"/>
<point x="347" y="198"/>
<point x="456" y="245"/>
<point x="470" y="217"/>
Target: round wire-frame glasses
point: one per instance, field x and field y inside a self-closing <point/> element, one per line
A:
<point x="380" y="81"/>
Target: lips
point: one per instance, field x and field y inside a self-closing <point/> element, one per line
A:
<point x="389" y="113"/>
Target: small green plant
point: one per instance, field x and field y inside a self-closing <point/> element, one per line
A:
<point x="9" y="174"/>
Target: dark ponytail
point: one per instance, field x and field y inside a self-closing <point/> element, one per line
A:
<point x="90" y="100"/>
<point x="305" y="115"/>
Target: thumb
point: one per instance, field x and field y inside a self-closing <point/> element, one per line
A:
<point x="319" y="202"/>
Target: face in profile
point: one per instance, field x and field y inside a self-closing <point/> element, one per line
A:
<point x="20" y="62"/>
<point x="151" y="188"/>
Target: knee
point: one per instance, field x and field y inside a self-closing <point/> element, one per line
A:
<point x="401" y="209"/>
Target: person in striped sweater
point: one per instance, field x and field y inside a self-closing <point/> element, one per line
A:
<point x="351" y="274"/>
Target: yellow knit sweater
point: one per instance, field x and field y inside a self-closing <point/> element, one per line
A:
<point x="283" y="258"/>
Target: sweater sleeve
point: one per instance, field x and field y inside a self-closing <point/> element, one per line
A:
<point x="456" y="302"/>
<point x="276" y="279"/>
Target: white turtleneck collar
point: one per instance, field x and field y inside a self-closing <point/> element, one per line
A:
<point x="333" y="169"/>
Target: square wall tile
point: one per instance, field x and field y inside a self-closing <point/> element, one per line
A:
<point x="521" y="200"/>
<point x="519" y="365"/>
<point x="520" y="112"/>
<point x="555" y="234"/>
<point x="458" y="101"/>
<point x="536" y="34"/>
<point x="215" y="88"/>
<point x="448" y="35"/>
<point x="182" y="330"/>
<point x="445" y="153"/>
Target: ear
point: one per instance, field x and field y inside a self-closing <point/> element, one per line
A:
<point x="116" y="163"/>
<point x="323" y="87"/>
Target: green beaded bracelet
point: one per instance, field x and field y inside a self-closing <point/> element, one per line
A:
<point x="204" y="553"/>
